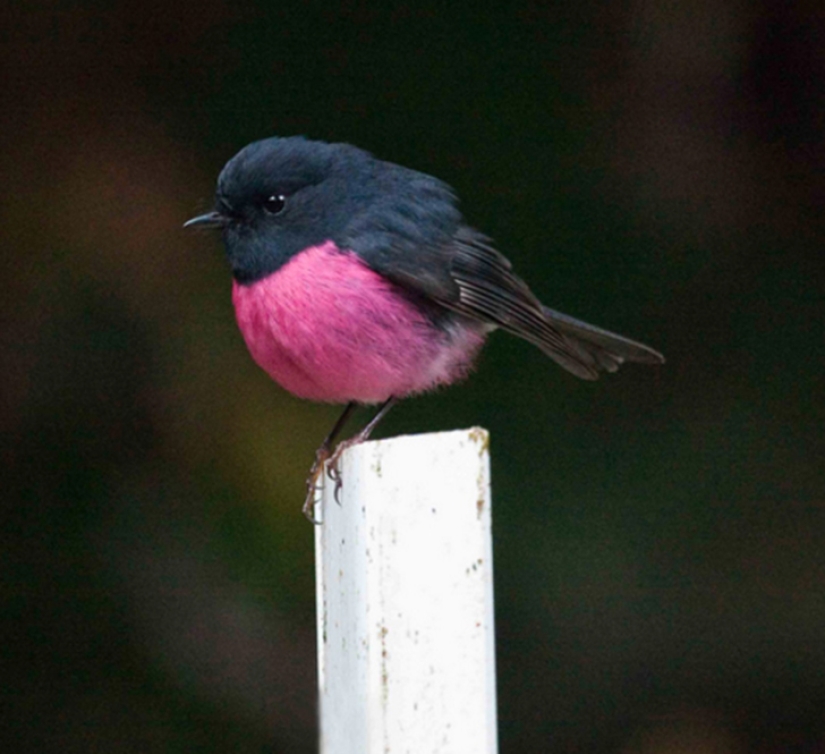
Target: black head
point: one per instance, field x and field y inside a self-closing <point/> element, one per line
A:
<point x="279" y="196"/>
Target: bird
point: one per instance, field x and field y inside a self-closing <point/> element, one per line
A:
<point x="357" y="281"/>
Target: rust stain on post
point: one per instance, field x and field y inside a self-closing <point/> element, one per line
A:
<point x="482" y="438"/>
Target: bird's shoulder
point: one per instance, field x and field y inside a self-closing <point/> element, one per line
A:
<point x="410" y="229"/>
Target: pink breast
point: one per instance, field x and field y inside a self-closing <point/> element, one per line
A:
<point x="328" y="328"/>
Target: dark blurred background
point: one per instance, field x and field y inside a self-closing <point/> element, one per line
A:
<point x="656" y="168"/>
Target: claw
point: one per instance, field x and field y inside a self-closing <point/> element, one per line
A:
<point x="309" y="506"/>
<point x="334" y="473"/>
<point x="313" y="483"/>
<point x="333" y="465"/>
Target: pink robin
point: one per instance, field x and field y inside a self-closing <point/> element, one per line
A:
<point x="357" y="281"/>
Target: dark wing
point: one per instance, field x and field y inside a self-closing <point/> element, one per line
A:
<point x="467" y="275"/>
<point x="489" y="290"/>
<point x="421" y="244"/>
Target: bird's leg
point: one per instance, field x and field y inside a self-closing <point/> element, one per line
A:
<point x="332" y="468"/>
<point x="321" y="455"/>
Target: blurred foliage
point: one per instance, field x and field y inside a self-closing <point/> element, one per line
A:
<point x="658" y="169"/>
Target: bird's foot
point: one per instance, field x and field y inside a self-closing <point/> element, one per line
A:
<point x="314" y="479"/>
<point x="326" y="458"/>
<point x="333" y="465"/>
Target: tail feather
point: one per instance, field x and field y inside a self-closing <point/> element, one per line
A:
<point x="596" y="350"/>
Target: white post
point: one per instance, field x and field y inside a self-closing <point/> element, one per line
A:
<point x="404" y="578"/>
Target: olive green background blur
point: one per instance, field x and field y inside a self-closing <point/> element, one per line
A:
<point x="655" y="168"/>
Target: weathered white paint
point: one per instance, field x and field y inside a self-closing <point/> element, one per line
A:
<point x="405" y="599"/>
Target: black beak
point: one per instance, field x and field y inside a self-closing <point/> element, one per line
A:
<point x="209" y="220"/>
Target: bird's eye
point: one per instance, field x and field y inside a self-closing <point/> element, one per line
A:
<point x="275" y="204"/>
